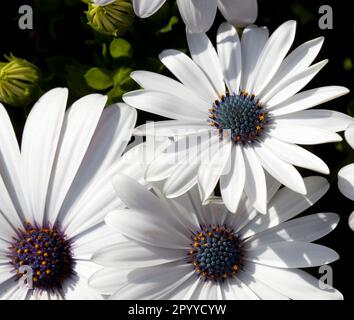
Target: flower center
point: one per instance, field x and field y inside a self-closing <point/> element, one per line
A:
<point x="242" y="115"/>
<point x="215" y="252"/>
<point x="47" y="252"/>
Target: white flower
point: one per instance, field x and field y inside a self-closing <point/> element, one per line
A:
<point x="247" y="90"/>
<point x="346" y="175"/>
<point x="173" y="247"/>
<point x="55" y="192"/>
<point x="199" y="15"/>
<point x="102" y="2"/>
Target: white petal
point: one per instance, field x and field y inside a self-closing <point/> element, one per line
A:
<point x="273" y="54"/>
<point x="214" y="163"/>
<point x="304" y="135"/>
<point x="292" y="255"/>
<point x="349" y="135"/>
<point x="322" y="119"/>
<point x="262" y="290"/>
<point x="307" y="99"/>
<point x="150" y="283"/>
<point x="346" y="181"/>
<point x="299" y="60"/>
<point x="293" y="85"/>
<point x="130" y="253"/>
<point x="79" y="124"/>
<point x="296" y="155"/>
<point x="255" y="186"/>
<point x="280" y="170"/>
<point x="108" y="280"/>
<point x="287" y="204"/>
<point x="229" y="51"/>
<point x="165" y="104"/>
<point x="198" y="15"/>
<point x="351" y="221"/>
<point x="39" y="145"/>
<point x="146" y="8"/>
<point x="102" y="2"/>
<point x="252" y="43"/>
<point x="154" y="81"/>
<point x="11" y="165"/>
<point x="295" y="284"/>
<point x="78" y="289"/>
<point x="236" y="289"/>
<point x="305" y="229"/>
<point x="172" y="128"/>
<point x="233" y="182"/>
<point x="186" y="70"/>
<point x="6" y="273"/>
<point x="239" y="12"/>
<point x="204" y="55"/>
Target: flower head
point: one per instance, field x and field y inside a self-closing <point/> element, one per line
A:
<point x="111" y="17"/>
<point x="199" y="15"/>
<point x="243" y="102"/>
<point x="56" y="190"/>
<point x="346" y="174"/>
<point x="19" y="81"/>
<point x="179" y="249"/>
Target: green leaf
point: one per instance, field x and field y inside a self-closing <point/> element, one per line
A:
<point x="98" y="79"/>
<point x="173" y="21"/>
<point x="120" y="48"/>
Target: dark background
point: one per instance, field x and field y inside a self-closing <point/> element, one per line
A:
<point x="64" y="47"/>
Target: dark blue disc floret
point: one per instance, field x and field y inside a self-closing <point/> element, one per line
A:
<point x="215" y="252"/>
<point x="47" y="252"/>
<point x="241" y="115"/>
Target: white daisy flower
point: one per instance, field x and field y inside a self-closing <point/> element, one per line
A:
<point x="199" y="15"/>
<point x="346" y="175"/>
<point x="245" y="95"/>
<point x="55" y="192"/>
<point x="179" y="249"/>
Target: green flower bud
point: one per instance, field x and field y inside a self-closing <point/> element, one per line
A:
<point x="112" y="19"/>
<point x="19" y="81"/>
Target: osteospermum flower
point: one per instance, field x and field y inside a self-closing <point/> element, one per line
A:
<point x="199" y="15"/>
<point x="179" y="249"/>
<point x="346" y="175"/>
<point x="55" y="192"/>
<point x="243" y="99"/>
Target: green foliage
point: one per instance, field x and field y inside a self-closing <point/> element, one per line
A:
<point x="120" y="48"/>
<point x="98" y="79"/>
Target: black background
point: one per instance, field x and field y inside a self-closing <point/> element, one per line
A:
<point x="60" y="30"/>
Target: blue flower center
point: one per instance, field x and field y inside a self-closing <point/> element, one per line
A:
<point x="47" y="252"/>
<point x="240" y="115"/>
<point x="215" y="252"/>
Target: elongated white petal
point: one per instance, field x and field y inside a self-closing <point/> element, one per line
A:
<point x="305" y="229"/>
<point x="299" y="60"/>
<point x="233" y="182"/>
<point x="327" y="119"/>
<point x="255" y="185"/>
<point x="294" y="84"/>
<point x="229" y="51"/>
<point x="236" y="289"/>
<point x="172" y="128"/>
<point x="78" y="128"/>
<point x="198" y="15"/>
<point x="273" y="54"/>
<point x="239" y="12"/>
<point x="146" y="8"/>
<point x="346" y="181"/>
<point x="292" y="255"/>
<point x="295" y="284"/>
<point x="165" y="105"/>
<point x="349" y="134"/>
<point x="287" y="204"/>
<point x="351" y="221"/>
<point x="282" y="171"/>
<point x="39" y="146"/>
<point x="252" y="43"/>
<point x="296" y="155"/>
<point x="307" y="99"/>
<point x="108" y="280"/>
<point x="204" y="55"/>
<point x="186" y="70"/>
<point x="303" y="135"/>
<point x="212" y="166"/>
<point x="154" y="81"/>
